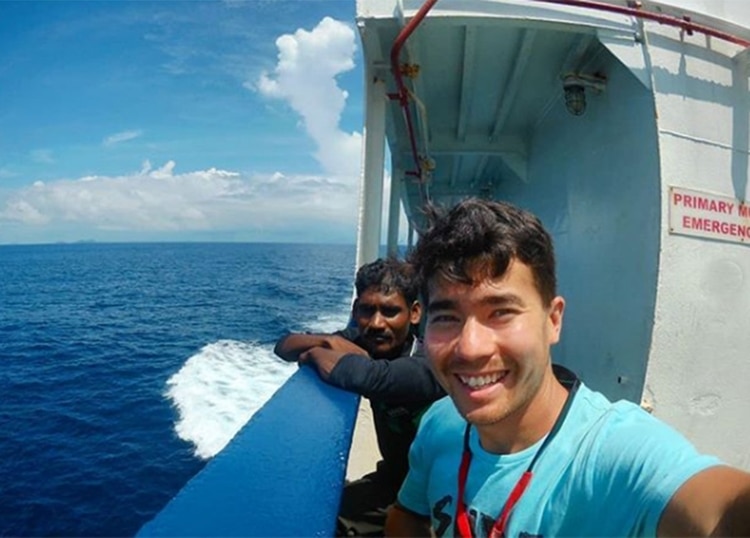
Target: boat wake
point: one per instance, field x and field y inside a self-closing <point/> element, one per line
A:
<point x="219" y="389"/>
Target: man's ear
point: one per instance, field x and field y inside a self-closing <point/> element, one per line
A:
<point x="355" y="304"/>
<point x="415" y="313"/>
<point x="555" y="319"/>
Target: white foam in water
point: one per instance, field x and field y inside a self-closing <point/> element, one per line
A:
<point x="328" y="323"/>
<point x="219" y="388"/>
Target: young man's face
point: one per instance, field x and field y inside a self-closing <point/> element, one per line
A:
<point x="384" y="321"/>
<point x="490" y="343"/>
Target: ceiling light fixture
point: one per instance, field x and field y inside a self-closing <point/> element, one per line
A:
<point x="575" y="85"/>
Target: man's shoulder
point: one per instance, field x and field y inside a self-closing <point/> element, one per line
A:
<point x="593" y="410"/>
<point x="350" y="333"/>
<point x="623" y="427"/>
<point x="443" y="416"/>
<point x="614" y="414"/>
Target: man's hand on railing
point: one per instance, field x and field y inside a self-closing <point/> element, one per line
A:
<point x="324" y="359"/>
<point x="341" y="344"/>
<point x="293" y="345"/>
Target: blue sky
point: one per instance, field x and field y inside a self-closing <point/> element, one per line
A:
<point x="207" y="121"/>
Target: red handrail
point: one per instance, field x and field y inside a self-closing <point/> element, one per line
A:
<point x="684" y="23"/>
<point x="402" y="94"/>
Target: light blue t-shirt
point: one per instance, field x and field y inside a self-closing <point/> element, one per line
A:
<point x="610" y="471"/>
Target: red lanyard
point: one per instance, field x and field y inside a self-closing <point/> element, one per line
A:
<point x="462" y="525"/>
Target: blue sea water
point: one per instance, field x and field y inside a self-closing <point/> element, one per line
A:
<point x="124" y="367"/>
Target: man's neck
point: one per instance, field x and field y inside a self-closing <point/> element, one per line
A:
<point x="529" y="424"/>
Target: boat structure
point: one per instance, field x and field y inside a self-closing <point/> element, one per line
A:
<point x="625" y="126"/>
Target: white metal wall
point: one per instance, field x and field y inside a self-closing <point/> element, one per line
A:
<point x="698" y="377"/>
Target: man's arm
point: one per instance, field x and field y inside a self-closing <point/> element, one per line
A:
<point x="291" y="346"/>
<point x="405" y="379"/>
<point x="714" y="502"/>
<point x="325" y="360"/>
<point x="406" y="524"/>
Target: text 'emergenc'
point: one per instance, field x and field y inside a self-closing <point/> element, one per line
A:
<point x="712" y="216"/>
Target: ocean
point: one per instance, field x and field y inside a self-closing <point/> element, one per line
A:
<point x="125" y="367"/>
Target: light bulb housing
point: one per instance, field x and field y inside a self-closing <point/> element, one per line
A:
<point x="575" y="99"/>
<point x="575" y="86"/>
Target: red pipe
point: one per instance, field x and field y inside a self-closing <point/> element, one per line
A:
<point x="683" y="23"/>
<point x="402" y="94"/>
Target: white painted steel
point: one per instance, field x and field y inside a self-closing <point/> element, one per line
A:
<point x="731" y="16"/>
<point x="394" y="216"/>
<point x="698" y="376"/>
<point x="373" y="162"/>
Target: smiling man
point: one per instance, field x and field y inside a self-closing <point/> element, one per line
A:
<point x="380" y="359"/>
<point x="521" y="447"/>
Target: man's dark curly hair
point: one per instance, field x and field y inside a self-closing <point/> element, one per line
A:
<point x="477" y="239"/>
<point x="388" y="275"/>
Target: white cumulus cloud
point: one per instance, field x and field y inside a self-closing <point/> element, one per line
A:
<point x="305" y="77"/>
<point x="162" y="200"/>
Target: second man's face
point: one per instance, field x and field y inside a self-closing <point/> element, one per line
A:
<point x="384" y="321"/>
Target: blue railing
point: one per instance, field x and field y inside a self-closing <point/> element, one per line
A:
<point x="281" y="475"/>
